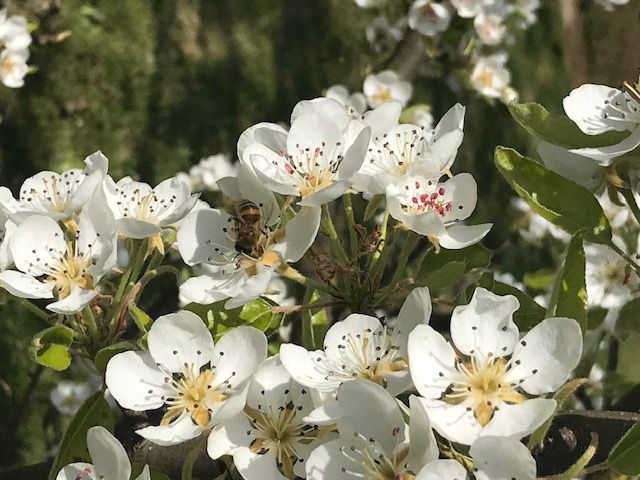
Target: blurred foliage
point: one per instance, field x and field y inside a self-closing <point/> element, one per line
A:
<point x="158" y="84"/>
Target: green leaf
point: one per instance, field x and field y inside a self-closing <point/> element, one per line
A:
<point x="529" y="314"/>
<point x="104" y="355"/>
<point x="136" y="470"/>
<point x="569" y="296"/>
<point x="625" y="455"/>
<point x="443" y="269"/>
<point x="561" y="201"/>
<point x="95" y="411"/>
<point x="50" y="347"/>
<point x="559" y="129"/>
<point x="628" y="319"/>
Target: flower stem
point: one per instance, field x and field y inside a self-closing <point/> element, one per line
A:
<point x="409" y="244"/>
<point x="631" y="202"/>
<point x="192" y="456"/>
<point x="89" y="320"/>
<point x="351" y="223"/>
<point x="330" y="230"/>
<point x="37" y="311"/>
<point x="628" y="259"/>
<point x="383" y="236"/>
<point x="296" y="276"/>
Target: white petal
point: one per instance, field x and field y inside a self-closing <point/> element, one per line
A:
<point x="328" y="462"/>
<point x="443" y="149"/>
<point x="443" y="469"/>
<point x="206" y="236"/>
<point x="180" y="339"/>
<point x="605" y="155"/>
<point x="371" y="412"/>
<point x="314" y="131"/>
<point x="499" y="458"/>
<point x="325" y="195"/>
<point x="135" y="381"/>
<point x="270" y="168"/>
<point x="585" y="105"/>
<point x="453" y="422"/>
<point x="301" y="364"/>
<point x="326" y="107"/>
<point x="77" y="471"/>
<point x="485" y="327"/>
<point x="545" y="357"/>
<point x="256" y="467"/>
<point x="203" y="290"/>
<point x="74" y="302"/>
<point x="34" y="242"/>
<point x="415" y="310"/>
<point x="270" y="135"/>
<point x="461" y="236"/>
<point x="355" y="153"/>
<point x="300" y="233"/>
<point x="227" y="437"/>
<point x="134" y="228"/>
<point x="462" y="192"/>
<point x="252" y="289"/>
<point x="108" y="455"/>
<point x="238" y="354"/>
<point x="269" y="384"/>
<point x="519" y="420"/>
<point x="25" y="286"/>
<point x="423" y="447"/>
<point x="96" y="162"/>
<point x="178" y="431"/>
<point x="383" y="118"/>
<point x="431" y="361"/>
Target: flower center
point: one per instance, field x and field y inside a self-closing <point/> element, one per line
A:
<point x="485" y="78"/>
<point x="424" y="195"/>
<point x="71" y="272"/>
<point x="383" y="94"/>
<point x="483" y="387"/>
<point x="193" y="394"/>
<point x="394" y="153"/>
<point x="280" y="432"/>
<point x="375" y="463"/>
<point x="8" y="66"/>
<point x="311" y="169"/>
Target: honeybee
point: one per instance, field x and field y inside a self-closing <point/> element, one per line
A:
<point x="249" y="226"/>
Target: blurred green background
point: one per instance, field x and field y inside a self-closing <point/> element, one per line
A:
<point x="158" y="84"/>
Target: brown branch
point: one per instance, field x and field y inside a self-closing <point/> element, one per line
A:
<point x="573" y="45"/>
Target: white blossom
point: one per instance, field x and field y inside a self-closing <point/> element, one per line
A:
<point x="375" y="442"/>
<point x="429" y="18"/>
<point x="609" y="282"/>
<point x="490" y="28"/>
<point x="360" y="347"/>
<point x="199" y="383"/>
<point x="70" y="265"/>
<point x="110" y="460"/>
<point x="14" y="31"/>
<point x="206" y="173"/>
<point x="355" y="102"/>
<point x="488" y="381"/>
<point x="13" y="67"/>
<point x="468" y="8"/>
<point x="396" y="150"/>
<point x="489" y="75"/>
<point x="270" y="439"/>
<point x="315" y="159"/>
<point x="577" y="168"/>
<point x="435" y="209"/>
<point x="243" y="263"/>
<point x="535" y="228"/>
<point x="597" y="109"/>
<point x="68" y="396"/>
<point x="386" y="86"/>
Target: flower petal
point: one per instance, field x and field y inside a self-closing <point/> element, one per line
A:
<point x="415" y="310"/>
<point x="328" y="461"/>
<point x="485" y="327"/>
<point x="519" y="420"/>
<point x="25" y="286"/>
<point x="461" y="236"/>
<point x="454" y="422"/>
<point x="500" y="458"/>
<point x="206" y="236"/>
<point x="135" y="381"/>
<point x="325" y="195"/>
<point x="545" y="357"/>
<point x="77" y="471"/>
<point x="431" y="361"/>
<point x="441" y="469"/>
<point x="238" y="354"/>
<point x="257" y="467"/>
<point x="586" y="105"/>
<point x="582" y="170"/>
<point x="107" y="453"/>
<point x="180" y="340"/>
<point x="423" y="447"/>
<point x="229" y="436"/>
<point x="605" y="155"/>
<point x="301" y="364"/>
<point x="178" y="431"/>
<point x="300" y="233"/>
<point x="34" y="244"/>
<point x="74" y="302"/>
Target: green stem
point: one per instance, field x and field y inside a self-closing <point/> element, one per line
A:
<point x="383" y="236"/>
<point x="309" y="282"/>
<point x="90" y="321"/>
<point x="330" y="230"/>
<point x="628" y="259"/>
<point x="33" y="309"/>
<point x="351" y="223"/>
<point x="631" y="202"/>
<point x="308" y="340"/>
<point x="409" y="244"/>
<point x="138" y="262"/>
<point x="124" y="279"/>
<point x="192" y="456"/>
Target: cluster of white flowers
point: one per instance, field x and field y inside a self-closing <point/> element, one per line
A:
<point x="204" y="176"/>
<point x="15" y="39"/>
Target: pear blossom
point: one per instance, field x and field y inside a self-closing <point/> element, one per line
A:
<point x="609" y="283"/>
<point x="386" y="86"/>
<point x="422" y="116"/>
<point x="382" y="35"/>
<point x="494" y="458"/>
<point x="360" y="347"/>
<point x="396" y="150"/>
<point x="597" y="109"/>
<point x="110" y="460"/>
<point x="206" y="173"/>
<point x="527" y="9"/>
<point x="7" y="227"/>
<point x="375" y="442"/>
<point x="13" y="67"/>
<point x="489" y="75"/>
<point x="141" y="211"/>
<point x="535" y="228"/>
<point x="56" y="195"/>
<point x="242" y="272"/>
<point x="429" y="18"/>
<point x="468" y="8"/>
<point x="490" y="28"/>
<point x="581" y="170"/>
<point x="68" y="396"/>
<point x="199" y="383"/>
<point x="270" y="439"/>
<point x="434" y="209"/>
<point x="488" y="381"/>
<point x="355" y="102"/>
<point x="72" y="265"/>
<point x="14" y="31"/>
<point x="315" y="159"/>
